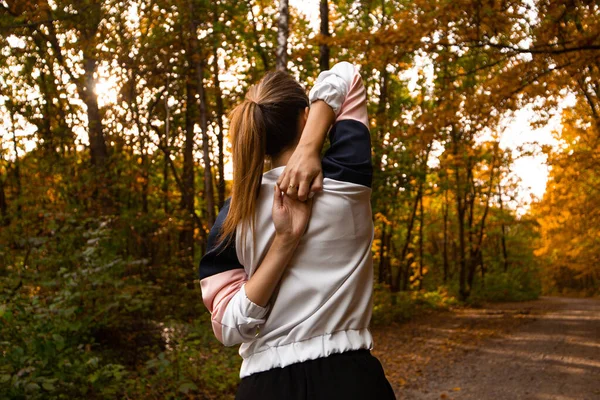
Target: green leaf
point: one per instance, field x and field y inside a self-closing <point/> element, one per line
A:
<point x="48" y="386"/>
<point x="5" y="313"/>
<point x="31" y="387"/>
<point x="186" y="387"/>
<point x="59" y="340"/>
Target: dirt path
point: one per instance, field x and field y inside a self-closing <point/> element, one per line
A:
<point x="540" y="350"/>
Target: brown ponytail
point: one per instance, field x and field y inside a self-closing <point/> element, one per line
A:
<point x="264" y="124"/>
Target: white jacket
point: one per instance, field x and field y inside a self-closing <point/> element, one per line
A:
<point x="323" y="304"/>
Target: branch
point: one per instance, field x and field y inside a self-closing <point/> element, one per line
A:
<point x="539" y="49"/>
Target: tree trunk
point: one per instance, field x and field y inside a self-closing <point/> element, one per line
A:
<point x="145" y="174"/>
<point x="324" y="48"/>
<point x="460" y="216"/>
<point x="411" y="222"/>
<point x="460" y="212"/>
<point x="472" y="260"/>
<point x="17" y="164"/>
<point x="208" y="179"/>
<point x="445" y="206"/>
<point x="4" y="218"/>
<point x="220" y="111"/>
<point x="282" y="35"/>
<point x="382" y="253"/>
<point x="187" y="178"/>
<point x="421" y="221"/>
<point x="503" y="229"/>
<point x="476" y="249"/>
<point x="98" y="149"/>
<point x="165" y="182"/>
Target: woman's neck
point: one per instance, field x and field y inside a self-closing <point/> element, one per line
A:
<point x="282" y="158"/>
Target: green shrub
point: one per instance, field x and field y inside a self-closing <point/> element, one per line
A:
<point x="391" y="307"/>
<point x="194" y="364"/>
<point x="515" y="285"/>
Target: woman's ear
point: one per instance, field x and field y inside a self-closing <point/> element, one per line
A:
<point x="302" y="121"/>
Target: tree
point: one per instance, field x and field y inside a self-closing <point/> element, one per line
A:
<point x="282" y="35"/>
<point x="324" y="30"/>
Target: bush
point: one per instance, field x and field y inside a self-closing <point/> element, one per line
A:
<point x="391" y="307"/>
<point x="49" y="354"/>
<point x="49" y="318"/>
<point x="77" y="320"/>
<point x="195" y="363"/>
<point x="515" y="285"/>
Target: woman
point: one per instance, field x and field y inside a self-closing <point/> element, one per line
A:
<point x="291" y="280"/>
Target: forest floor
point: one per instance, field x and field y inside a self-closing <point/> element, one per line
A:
<point x="537" y="350"/>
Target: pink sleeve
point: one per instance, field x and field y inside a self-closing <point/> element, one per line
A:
<point x="217" y="291"/>
<point x="355" y="105"/>
<point x="234" y="316"/>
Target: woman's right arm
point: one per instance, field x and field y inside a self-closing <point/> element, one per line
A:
<point x="338" y="98"/>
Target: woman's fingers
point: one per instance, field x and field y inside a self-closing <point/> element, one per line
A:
<point x="299" y="186"/>
<point x="292" y="187"/>
<point x="287" y="184"/>
<point x="277" y="198"/>
<point x="283" y="179"/>
<point x="303" y="190"/>
<point x="317" y="185"/>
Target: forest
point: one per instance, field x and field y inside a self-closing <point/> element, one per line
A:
<point x="114" y="162"/>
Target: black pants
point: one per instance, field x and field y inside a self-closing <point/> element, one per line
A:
<point x="353" y="375"/>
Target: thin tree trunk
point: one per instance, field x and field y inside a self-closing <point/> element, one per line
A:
<point x="445" y="206"/>
<point x="282" y="35"/>
<point x="208" y="179"/>
<point x="421" y="221"/>
<point x="381" y="114"/>
<point x="411" y="222"/>
<point x="45" y="130"/>
<point x="4" y="218"/>
<point x="460" y="212"/>
<point x="477" y="255"/>
<point x="17" y="164"/>
<point x="187" y="188"/>
<point x="142" y="140"/>
<point x="165" y="183"/>
<point x="503" y="229"/>
<point x="472" y="261"/>
<point x="382" y="253"/>
<point x="482" y="265"/>
<point x="220" y="111"/>
<point x="324" y="48"/>
<point x="422" y="214"/>
<point x="387" y="266"/>
<point x="460" y="216"/>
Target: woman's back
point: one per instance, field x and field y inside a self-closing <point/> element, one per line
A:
<point x="324" y="299"/>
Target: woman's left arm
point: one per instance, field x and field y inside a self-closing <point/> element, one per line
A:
<point x="238" y="304"/>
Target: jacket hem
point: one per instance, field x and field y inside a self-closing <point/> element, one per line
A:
<point x="309" y="349"/>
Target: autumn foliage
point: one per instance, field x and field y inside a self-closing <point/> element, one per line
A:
<point x="114" y="163"/>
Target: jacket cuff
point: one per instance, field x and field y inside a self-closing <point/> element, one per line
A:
<point x="251" y="309"/>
